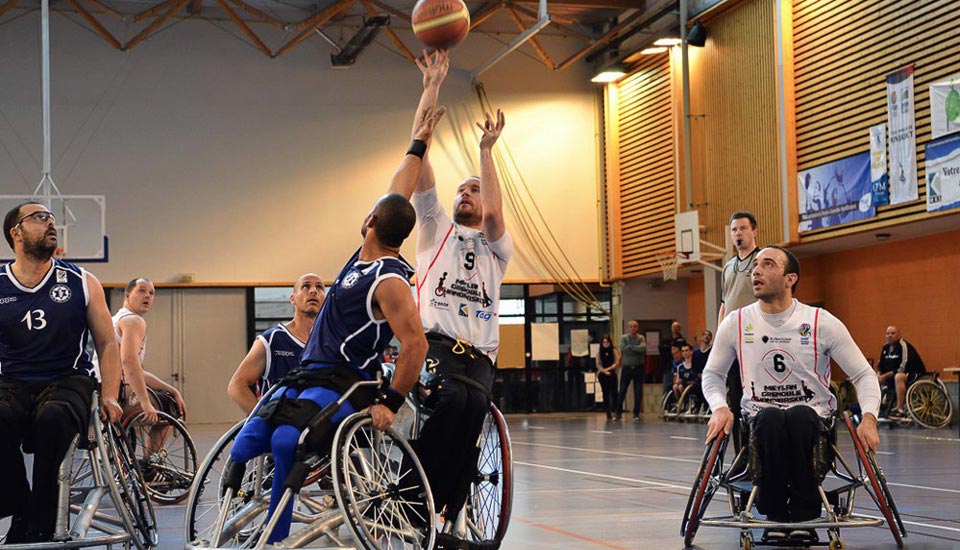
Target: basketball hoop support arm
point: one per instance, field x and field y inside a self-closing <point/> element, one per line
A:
<point x="543" y="19"/>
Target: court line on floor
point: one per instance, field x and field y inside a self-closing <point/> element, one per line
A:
<point x="601" y="432"/>
<point x="617" y="453"/>
<point x="569" y="534"/>
<point x="684" y="438"/>
<point x="673" y="459"/>
<point x="669" y="485"/>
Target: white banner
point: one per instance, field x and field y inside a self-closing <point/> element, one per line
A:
<point x="878" y="164"/>
<point x="903" y="136"/>
<point x="943" y="173"/>
<point x="945" y="107"/>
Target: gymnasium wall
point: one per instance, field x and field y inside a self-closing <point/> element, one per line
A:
<point x="218" y="162"/>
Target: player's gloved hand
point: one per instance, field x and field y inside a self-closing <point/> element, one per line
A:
<point x="382" y="416"/>
<point x="720" y="423"/>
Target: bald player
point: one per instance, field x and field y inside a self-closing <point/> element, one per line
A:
<point x="899" y="366"/>
<point x="277" y="351"/>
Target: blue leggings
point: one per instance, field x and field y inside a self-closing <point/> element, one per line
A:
<point x="259" y="436"/>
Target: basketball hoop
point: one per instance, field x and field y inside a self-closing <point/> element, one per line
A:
<point x="670" y="263"/>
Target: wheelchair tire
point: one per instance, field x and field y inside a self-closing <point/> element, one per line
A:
<point x="669" y="408"/>
<point x="169" y="471"/>
<point x="703" y="490"/>
<point x="132" y="488"/>
<point x="928" y="404"/>
<point x="878" y="485"/>
<point x="491" y="493"/>
<point x="381" y="487"/>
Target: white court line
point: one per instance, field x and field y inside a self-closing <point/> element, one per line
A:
<point x="672" y="459"/>
<point x="605" y="476"/>
<point x="536" y="428"/>
<point x="671" y="486"/>
<point x="684" y="438"/>
<point x="601" y="432"/>
<point x="939" y="438"/>
<point x="883" y="453"/>
<point x="561" y="447"/>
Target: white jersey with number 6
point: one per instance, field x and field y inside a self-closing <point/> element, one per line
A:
<point x="787" y="365"/>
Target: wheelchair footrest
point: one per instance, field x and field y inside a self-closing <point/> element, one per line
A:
<point x="843" y="523"/>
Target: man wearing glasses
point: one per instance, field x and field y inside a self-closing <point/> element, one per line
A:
<point x="48" y="309"/>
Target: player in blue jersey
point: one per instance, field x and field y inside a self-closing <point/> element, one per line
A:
<point x="277" y="351"/>
<point x="369" y="302"/>
<point x="48" y="308"/>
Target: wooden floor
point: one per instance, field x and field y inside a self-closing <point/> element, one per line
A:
<point x="583" y="483"/>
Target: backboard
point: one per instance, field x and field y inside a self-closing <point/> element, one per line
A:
<point x="81" y="225"/>
<point x="687" y="236"/>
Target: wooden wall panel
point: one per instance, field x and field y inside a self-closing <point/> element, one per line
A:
<point x="842" y="53"/>
<point x="734" y="128"/>
<point x="646" y="159"/>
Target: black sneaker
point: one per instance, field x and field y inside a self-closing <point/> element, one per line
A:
<point x="897" y="414"/>
<point x="18" y="531"/>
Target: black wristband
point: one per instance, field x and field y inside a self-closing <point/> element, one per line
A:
<point x="391" y="399"/>
<point x="418" y="148"/>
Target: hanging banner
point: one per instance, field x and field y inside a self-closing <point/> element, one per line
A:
<point x="878" y="164"/>
<point x="903" y="136"/>
<point x="945" y="107"/>
<point x="943" y="173"/>
<point x="835" y="193"/>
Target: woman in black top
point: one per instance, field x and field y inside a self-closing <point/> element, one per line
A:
<point x="607" y="361"/>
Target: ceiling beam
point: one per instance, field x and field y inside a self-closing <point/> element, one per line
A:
<point x="391" y="10"/>
<point x="312" y="23"/>
<point x="390" y="32"/>
<point x="107" y="9"/>
<point x="533" y="41"/>
<point x="610" y="35"/>
<point x="150" y="12"/>
<point x="152" y="27"/>
<point x="485" y="12"/>
<point x="194" y="7"/>
<point x="97" y="26"/>
<point x="556" y="24"/>
<point x="257" y="13"/>
<point x="244" y="27"/>
<point x="612" y="4"/>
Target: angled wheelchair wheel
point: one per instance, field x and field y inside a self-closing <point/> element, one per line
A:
<point x="166" y="455"/>
<point x="670" y="406"/>
<point x="381" y="488"/>
<point x="247" y="510"/>
<point x="877" y="488"/>
<point x="491" y="493"/>
<point x="132" y="488"/>
<point x="705" y="485"/>
<point x="928" y="404"/>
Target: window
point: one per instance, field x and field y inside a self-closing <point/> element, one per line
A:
<point x="271" y="305"/>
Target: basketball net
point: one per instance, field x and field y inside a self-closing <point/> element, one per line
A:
<point x="670" y="264"/>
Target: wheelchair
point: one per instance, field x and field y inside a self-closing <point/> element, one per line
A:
<point x="837" y="493"/>
<point x="369" y="491"/>
<point x="927" y="403"/>
<point x="102" y="500"/>
<point x="689" y="406"/>
<point x="164" y="450"/>
<point x="486" y="513"/>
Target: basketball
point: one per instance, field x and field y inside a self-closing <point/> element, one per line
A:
<point x="440" y="24"/>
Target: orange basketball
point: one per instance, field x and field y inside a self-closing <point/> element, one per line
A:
<point x="440" y="24"/>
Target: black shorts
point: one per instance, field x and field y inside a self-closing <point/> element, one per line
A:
<point x="74" y="393"/>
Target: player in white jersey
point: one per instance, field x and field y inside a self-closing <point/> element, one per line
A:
<point x="460" y="265"/>
<point x="784" y="348"/>
<point x="277" y="351"/>
<point x="131" y="330"/>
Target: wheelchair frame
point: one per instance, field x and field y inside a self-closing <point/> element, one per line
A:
<point x="927" y="403"/>
<point x="361" y="478"/>
<point x="97" y="466"/>
<point x="838" y="501"/>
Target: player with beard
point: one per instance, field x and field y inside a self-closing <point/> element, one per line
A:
<point x="48" y="310"/>
<point x="277" y="350"/>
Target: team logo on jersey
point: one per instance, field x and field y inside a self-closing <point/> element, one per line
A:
<point x="350" y="279"/>
<point x="748" y="334"/>
<point x="442" y="306"/>
<point x="441" y="290"/>
<point x="8" y="300"/>
<point x="804" y="334"/>
<point x="463" y="311"/>
<point x="485" y="315"/>
<point x="61" y="276"/>
<point x="60" y="293"/>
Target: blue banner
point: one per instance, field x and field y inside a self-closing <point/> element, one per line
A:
<point x="943" y="173"/>
<point x="836" y="193"/>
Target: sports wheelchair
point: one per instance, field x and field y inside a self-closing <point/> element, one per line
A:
<point x="369" y="490"/>
<point x="102" y="497"/>
<point x="837" y="493"/>
<point x="689" y="406"/>
<point x="164" y="450"/>
<point x="323" y="508"/>
<point x="927" y="403"/>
